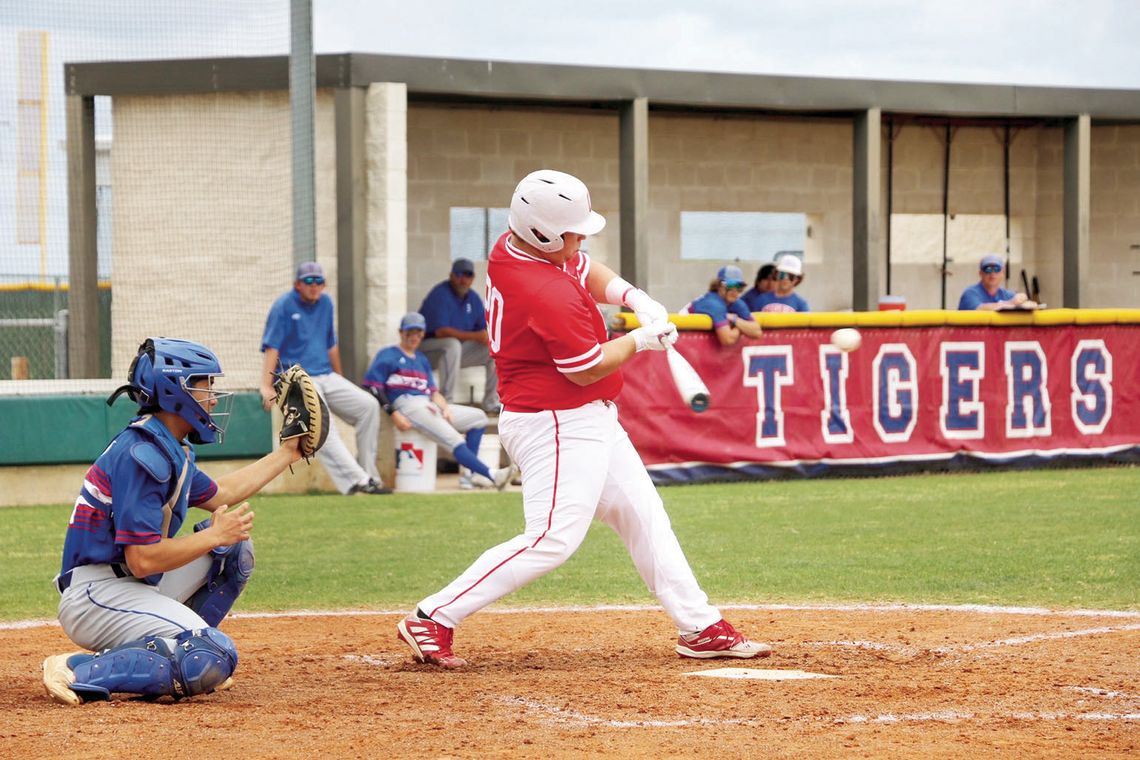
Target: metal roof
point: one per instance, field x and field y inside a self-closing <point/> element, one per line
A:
<point x="566" y="85"/>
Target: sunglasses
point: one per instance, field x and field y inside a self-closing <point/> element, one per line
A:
<point x="785" y="276"/>
<point x="992" y="268"/>
<point x="465" y="274"/>
<point x="734" y="285"/>
<point x="313" y="280"/>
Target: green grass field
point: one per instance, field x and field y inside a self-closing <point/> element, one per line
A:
<point x="1057" y="538"/>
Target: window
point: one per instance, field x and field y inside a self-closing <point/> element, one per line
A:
<point x="741" y="235"/>
<point x="475" y="230"/>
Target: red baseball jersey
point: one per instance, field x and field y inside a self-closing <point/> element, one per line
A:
<point x="541" y="324"/>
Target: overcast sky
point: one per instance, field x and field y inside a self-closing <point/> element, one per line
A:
<point x="1086" y="43"/>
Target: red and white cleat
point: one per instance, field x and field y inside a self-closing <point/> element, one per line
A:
<point x="430" y="642"/>
<point x="720" y="640"/>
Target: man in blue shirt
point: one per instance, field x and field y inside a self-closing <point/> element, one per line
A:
<point x="456" y="334"/>
<point x="299" y="330"/>
<point x="731" y="318"/>
<point x="987" y="294"/>
<point x="783" y="298"/>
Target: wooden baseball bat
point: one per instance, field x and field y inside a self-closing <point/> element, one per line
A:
<point x="689" y="384"/>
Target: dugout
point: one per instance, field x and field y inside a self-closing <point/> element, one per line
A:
<point x="405" y="144"/>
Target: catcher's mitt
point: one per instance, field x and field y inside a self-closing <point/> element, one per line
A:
<point x="306" y="414"/>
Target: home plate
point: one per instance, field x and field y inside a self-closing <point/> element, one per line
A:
<point x="759" y="675"/>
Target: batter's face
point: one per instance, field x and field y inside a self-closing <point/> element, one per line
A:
<point x="310" y="289"/>
<point x="410" y="340"/>
<point x="571" y="244"/>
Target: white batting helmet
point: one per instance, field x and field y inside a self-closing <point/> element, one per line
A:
<point x="547" y="204"/>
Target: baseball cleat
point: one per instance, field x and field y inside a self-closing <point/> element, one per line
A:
<point x="720" y="640"/>
<point x="58" y="678"/>
<point x="505" y="475"/>
<point x="429" y="641"/>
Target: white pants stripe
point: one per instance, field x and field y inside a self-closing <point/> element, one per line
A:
<point x="578" y="464"/>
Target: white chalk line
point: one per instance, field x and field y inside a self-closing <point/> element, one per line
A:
<point x="1106" y="693"/>
<point x="562" y="715"/>
<point x="980" y="609"/>
<point x="911" y="651"/>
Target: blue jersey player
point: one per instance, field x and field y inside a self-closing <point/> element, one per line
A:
<point x="145" y="603"/>
<point x="400" y="378"/>
<point x="730" y="316"/>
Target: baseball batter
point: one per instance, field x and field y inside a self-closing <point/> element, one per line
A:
<point x="148" y="604"/>
<point x="558" y="376"/>
<point x="401" y="379"/>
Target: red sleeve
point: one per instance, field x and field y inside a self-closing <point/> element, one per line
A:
<point x="564" y="322"/>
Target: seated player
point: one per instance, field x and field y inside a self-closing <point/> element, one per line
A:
<point x="400" y="378"/>
<point x="148" y="604"/>
<point x="731" y="318"/>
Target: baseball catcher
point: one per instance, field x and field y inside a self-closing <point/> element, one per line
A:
<point x="306" y="414"/>
<point x="144" y="602"/>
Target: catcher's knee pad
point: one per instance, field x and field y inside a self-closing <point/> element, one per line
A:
<point x="137" y="667"/>
<point x="203" y="659"/>
<point x="231" y="569"/>
<point x="197" y="663"/>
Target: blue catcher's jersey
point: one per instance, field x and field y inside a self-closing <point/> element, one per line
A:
<point x="125" y="493"/>
<point x="399" y="374"/>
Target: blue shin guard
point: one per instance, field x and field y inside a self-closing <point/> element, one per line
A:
<point x="194" y="662"/>
<point x="466" y="457"/>
<point x="232" y="566"/>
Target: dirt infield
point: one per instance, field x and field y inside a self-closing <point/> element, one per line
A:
<point x="953" y="682"/>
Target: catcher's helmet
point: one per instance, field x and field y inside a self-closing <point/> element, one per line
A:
<point x="548" y="203"/>
<point x="159" y="378"/>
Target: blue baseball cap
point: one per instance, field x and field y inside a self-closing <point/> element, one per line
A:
<point x="991" y="259"/>
<point x="309" y="269"/>
<point x="462" y="266"/>
<point x="413" y="320"/>
<point x="730" y="273"/>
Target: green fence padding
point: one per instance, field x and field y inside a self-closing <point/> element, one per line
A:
<point x="76" y="429"/>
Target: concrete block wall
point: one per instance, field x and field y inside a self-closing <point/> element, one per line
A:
<point x="1114" y="227"/>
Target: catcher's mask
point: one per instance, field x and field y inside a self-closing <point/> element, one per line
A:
<point x="162" y="376"/>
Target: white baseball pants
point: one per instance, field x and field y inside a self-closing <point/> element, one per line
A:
<point x="578" y="464"/>
<point x="357" y="407"/>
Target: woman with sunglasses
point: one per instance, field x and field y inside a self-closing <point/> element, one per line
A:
<point x="731" y="317"/>
<point x="987" y="294"/>
<point x="783" y="298"/>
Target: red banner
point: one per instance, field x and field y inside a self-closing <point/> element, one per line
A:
<point x="908" y="398"/>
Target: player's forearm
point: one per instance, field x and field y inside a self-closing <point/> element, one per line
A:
<point x="727" y="335"/>
<point x="168" y="554"/>
<point x="334" y="359"/>
<point x="615" y="353"/>
<point x="269" y="359"/>
<point x="237" y="486"/>
<point x="749" y="328"/>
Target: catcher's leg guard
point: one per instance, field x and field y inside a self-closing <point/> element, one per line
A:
<point x="231" y="569"/>
<point x="194" y="662"/>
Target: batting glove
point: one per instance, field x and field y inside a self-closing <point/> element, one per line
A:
<point x="654" y="337"/>
<point x="648" y="311"/>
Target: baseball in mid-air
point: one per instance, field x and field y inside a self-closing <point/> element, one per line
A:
<point x="846" y="339"/>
